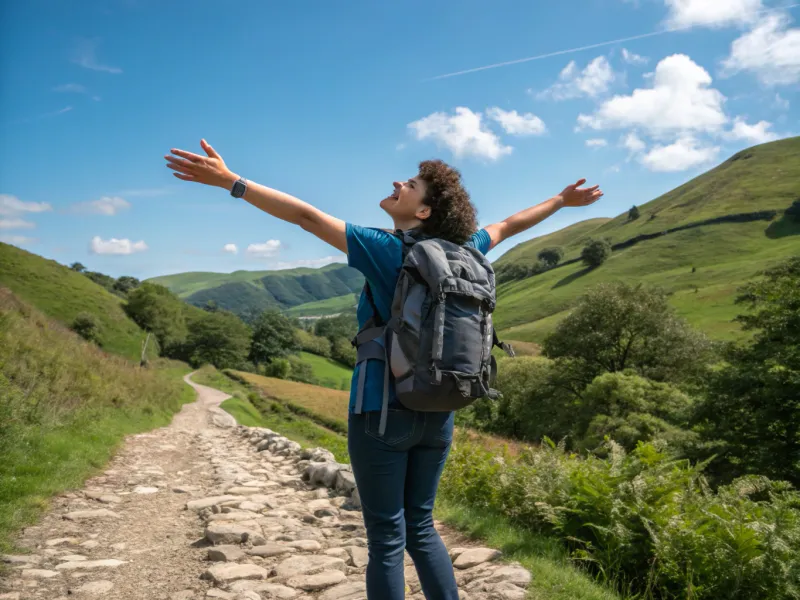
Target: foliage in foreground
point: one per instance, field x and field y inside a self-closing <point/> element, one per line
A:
<point x="645" y="523"/>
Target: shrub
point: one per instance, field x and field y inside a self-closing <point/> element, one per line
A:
<point x="342" y="350"/>
<point x="301" y="371"/>
<point x="280" y="368"/>
<point x="550" y="257"/>
<point x="634" y="213"/>
<point x="643" y="522"/>
<point x="595" y="253"/>
<point x="793" y="211"/>
<point x="314" y="344"/>
<point x="87" y="326"/>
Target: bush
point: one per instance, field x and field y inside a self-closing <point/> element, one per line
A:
<point x="342" y="351"/>
<point x="793" y="211"/>
<point x="550" y="257"/>
<point x="314" y="344"/>
<point x="301" y="371"/>
<point x="634" y="213"/>
<point x="595" y="253"/>
<point x="643" y="522"/>
<point x="87" y="326"/>
<point x="280" y="368"/>
<point x="273" y="337"/>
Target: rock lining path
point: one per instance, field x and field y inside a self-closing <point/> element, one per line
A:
<point x="204" y="508"/>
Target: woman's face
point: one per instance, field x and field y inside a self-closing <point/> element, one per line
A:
<point x="405" y="204"/>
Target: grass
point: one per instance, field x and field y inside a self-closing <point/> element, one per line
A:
<point x="65" y="406"/>
<point x="253" y="410"/>
<point x="327" y="406"/>
<point x="725" y="255"/>
<point x="322" y="308"/>
<point x="62" y="294"/>
<point x="554" y="576"/>
<point x="328" y="372"/>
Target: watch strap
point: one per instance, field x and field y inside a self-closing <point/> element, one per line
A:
<point x="239" y="188"/>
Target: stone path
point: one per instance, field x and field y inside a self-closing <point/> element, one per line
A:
<point x="204" y="508"/>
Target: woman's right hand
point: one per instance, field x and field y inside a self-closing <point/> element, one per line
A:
<point x="208" y="170"/>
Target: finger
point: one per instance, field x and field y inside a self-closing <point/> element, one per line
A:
<point x="185" y="177"/>
<point x="580" y="182"/>
<point x="188" y="155"/>
<point x="209" y="150"/>
<point x="181" y="169"/>
<point x="180" y="161"/>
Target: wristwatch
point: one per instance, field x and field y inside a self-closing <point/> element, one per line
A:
<point x="239" y="188"/>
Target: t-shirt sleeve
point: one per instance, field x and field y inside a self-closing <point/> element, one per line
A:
<point x="377" y="254"/>
<point x="481" y="240"/>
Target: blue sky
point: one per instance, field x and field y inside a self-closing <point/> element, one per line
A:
<point x="332" y="101"/>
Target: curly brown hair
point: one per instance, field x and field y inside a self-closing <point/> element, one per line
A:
<point x="453" y="217"/>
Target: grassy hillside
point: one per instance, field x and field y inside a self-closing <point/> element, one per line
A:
<point x="321" y="308"/>
<point x="65" y="407"/>
<point x="62" y="294"/>
<point x="248" y="292"/>
<point x="725" y="255"/>
<point x="328" y="372"/>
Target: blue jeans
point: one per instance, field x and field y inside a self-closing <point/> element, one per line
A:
<point x="397" y="476"/>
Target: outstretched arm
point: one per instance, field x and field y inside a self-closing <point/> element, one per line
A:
<point x="573" y="195"/>
<point x="211" y="170"/>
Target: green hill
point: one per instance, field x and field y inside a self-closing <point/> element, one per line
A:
<point x="61" y="294"/>
<point x="321" y="308"/>
<point x="700" y="242"/>
<point x="249" y="292"/>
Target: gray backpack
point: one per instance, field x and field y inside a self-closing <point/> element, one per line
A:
<point x="438" y="342"/>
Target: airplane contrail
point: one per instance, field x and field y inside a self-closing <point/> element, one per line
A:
<point x="580" y="49"/>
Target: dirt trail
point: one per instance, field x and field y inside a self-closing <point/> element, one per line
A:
<point x="204" y="508"/>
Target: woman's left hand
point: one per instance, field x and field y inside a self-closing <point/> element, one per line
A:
<point x="574" y="195"/>
<point x="210" y="169"/>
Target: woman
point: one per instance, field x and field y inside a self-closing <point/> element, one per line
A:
<point x="397" y="473"/>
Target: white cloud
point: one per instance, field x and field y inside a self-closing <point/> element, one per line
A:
<point x="514" y="123"/>
<point x="400" y="147"/>
<point x="107" y="205"/>
<point x="757" y="134"/>
<point x="230" y="249"/>
<point x="115" y="246"/>
<point x="75" y="88"/>
<point x="313" y="263"/>
<point x="594" y="80"/>
<point x="85" y="55"/>
<point x="712" y="13"/>
<point x="17" y="240"/>
<point x="684" y="154"/>
<point x="11" y="205"/>
<point x="596" y="143"/>
<point x="268" y="249"/>
<point x="16" y="224"/>
<point x="633" y="143"/>
<point x="634" y="59"/>
<point x="463" y="133"/>
<point x="781" y="103"/>
<point x="771" y="50"/>
<point x="679" y="101"/>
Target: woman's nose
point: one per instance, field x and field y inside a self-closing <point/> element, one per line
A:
<point x="397" y="185"/>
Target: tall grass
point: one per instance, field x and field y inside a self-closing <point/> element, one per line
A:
<point x="65" y="406"/>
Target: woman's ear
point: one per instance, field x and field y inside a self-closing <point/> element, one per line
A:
<point x="424" y="212"/>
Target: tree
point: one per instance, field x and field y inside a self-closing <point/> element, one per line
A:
<point x="793" y="212"/>
<point x="273" y="337"/>
<point x="616" y="326"/>
<point x="550" y="257"/>
<point x="633" y="213"/>
<point x="156" y="309"/>
<point x="219" y="338"/>
<point x="87" y="326"/>
<point x="79" y="267"/>
<point x="210" y="306"/>
<point x="753" y="402"/>
<point x="335" y="327"/>
<point x="342" y="351"/>
<point x="125" y="284"/>
<point x="595" y="253"/>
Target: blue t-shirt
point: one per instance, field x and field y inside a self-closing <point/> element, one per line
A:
<point x="379" y="256"/>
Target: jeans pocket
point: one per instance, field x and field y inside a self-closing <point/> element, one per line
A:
<point x="400" y="426"/>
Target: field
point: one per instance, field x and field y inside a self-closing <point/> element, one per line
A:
<point x="329" y="373"/>
<point x="62" y="294"/>
<point x="331" y="306"/>
<point x="700" y="267"/>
